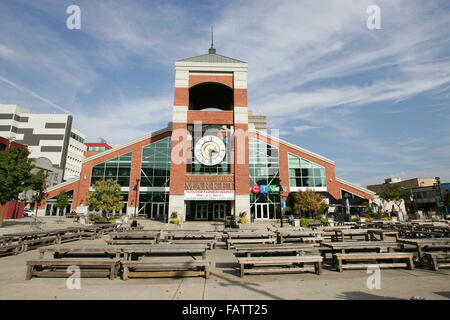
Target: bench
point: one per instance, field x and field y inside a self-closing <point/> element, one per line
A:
<point x="130" y="241"/>
<point x="231" y="242"/>
<point x="437" y="260"/>
<point x="26" y="244"/>
<point x="11" y="248"/>
<point x="71" y="236"/>
<point x="279" y="264"/>
<point x="407" y="257"/>
<point x="85" y="252"/>
<point x="59" y="267"/>
<point x="135" y="269"/>
<point x="210" y="243"/>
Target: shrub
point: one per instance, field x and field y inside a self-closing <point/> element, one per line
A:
<point x="97" y="218"/>
<point x="304" y="222"/>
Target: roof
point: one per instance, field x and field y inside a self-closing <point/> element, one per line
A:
<point x="97" y="144"/>
<point x="212" y="58"/>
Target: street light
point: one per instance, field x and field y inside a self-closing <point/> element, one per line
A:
<point x="281" y="205"/>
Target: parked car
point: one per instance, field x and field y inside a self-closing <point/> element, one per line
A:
<point x="28" y="212"/>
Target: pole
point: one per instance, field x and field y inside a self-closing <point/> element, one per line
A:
<point x="136" y="197"/>
<point x="281" y="207"/>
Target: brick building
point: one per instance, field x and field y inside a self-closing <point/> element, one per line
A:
<point x="208" y="163"/>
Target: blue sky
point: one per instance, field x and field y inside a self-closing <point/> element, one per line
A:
<point x="375" y="101"/>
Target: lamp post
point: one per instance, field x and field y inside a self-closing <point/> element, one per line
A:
<point x="136" y="188"/>
<point x="281" y="204"/>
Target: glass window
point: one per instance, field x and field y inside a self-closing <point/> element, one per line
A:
<point x="117" y="169"/>
<point x="155" y="165"/>
<point x="304" y="173"/>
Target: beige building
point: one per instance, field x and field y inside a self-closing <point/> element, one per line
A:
<point x="407" y="184"/>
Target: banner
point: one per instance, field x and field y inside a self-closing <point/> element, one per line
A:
<point x="208" y="194"/>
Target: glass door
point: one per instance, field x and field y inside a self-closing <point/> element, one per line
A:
<point x="219" y="211"/>
<point x="262" y="211"/>
<point x="158" y="210"/>
<point x="201" y="211"/>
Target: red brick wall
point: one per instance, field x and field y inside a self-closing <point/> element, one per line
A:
<point x="181" y="97"/>
<point x="179" y="156"/>
<point x="227" y="80"/>
<point x="240" y="97"/>
<point x="211" y="117"/>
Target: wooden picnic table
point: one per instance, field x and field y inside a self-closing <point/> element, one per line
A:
<point x="250" y="235"/>
<point x="135" y="235"/>
<point x="134" y="251"/>
<point x="249" y="249"/>
<point x="339" y="235"/>
<point x="191" y="235"/>
<point x="382" y="233"/>
<point x="355" y="246"/>
<point x="61" y="251"/>
<point x="423" y="244"/>
<point x="298" y="235"/>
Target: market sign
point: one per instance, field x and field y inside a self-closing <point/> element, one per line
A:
<point x="208" y="194"/>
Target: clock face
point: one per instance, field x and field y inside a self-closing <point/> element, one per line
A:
<point x="210" y="150"/>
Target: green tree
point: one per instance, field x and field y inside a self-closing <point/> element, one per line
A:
<point x="106" y="197"/>
<point x="394" y="193"/>
<point x="38" y="183"/>
<point x="310" y="202"/>
<point x="15" y="175"/>
<point x="62" y="201"/>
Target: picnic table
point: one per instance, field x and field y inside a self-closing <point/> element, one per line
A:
<point x="62" y="251"/>
<point x="135" y="251"/>
<point x="249" y="249"/>
<point x="382" y="233"/>
<point x="339" y="235"/>
<point x="423" y="244"/>
<point x="344" y="247"/>
<point x="250" y="234"/>
<point x="302" y="236"/>
<point x="136" y="235"/>
<point x="191" y="235"/>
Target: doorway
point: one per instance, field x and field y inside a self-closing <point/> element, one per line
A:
<point x="262" y="211"/>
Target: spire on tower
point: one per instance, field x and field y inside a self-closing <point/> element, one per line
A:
<point x="212" y="50"/>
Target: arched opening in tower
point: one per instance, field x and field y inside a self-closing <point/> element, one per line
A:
<point x="210" y="95"/>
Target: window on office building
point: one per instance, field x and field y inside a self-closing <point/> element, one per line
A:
<point x="304" y="173"/>
<point x="155" y="166"/>
<point x="264" y="170"/>
<point x="117" y="169"/>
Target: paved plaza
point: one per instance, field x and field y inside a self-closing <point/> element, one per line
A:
<point x="224" y="282"/>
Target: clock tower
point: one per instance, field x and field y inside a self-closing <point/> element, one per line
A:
<point x="209" y="173"/>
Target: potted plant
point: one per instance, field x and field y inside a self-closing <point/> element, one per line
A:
<point x="243" y="217"/>
<point x="174" y="218"/>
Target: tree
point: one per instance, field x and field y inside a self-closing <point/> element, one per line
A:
<point x="310" y="202"/>
<point x="394" y="193"/>
<point x="38" y="183"/>
<point x="106" y="196"/>
<point x="62" y="201"/>
<point x="15" y="175"/>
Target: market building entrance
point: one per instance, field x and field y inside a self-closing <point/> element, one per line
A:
<point x="208" y="210"/>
